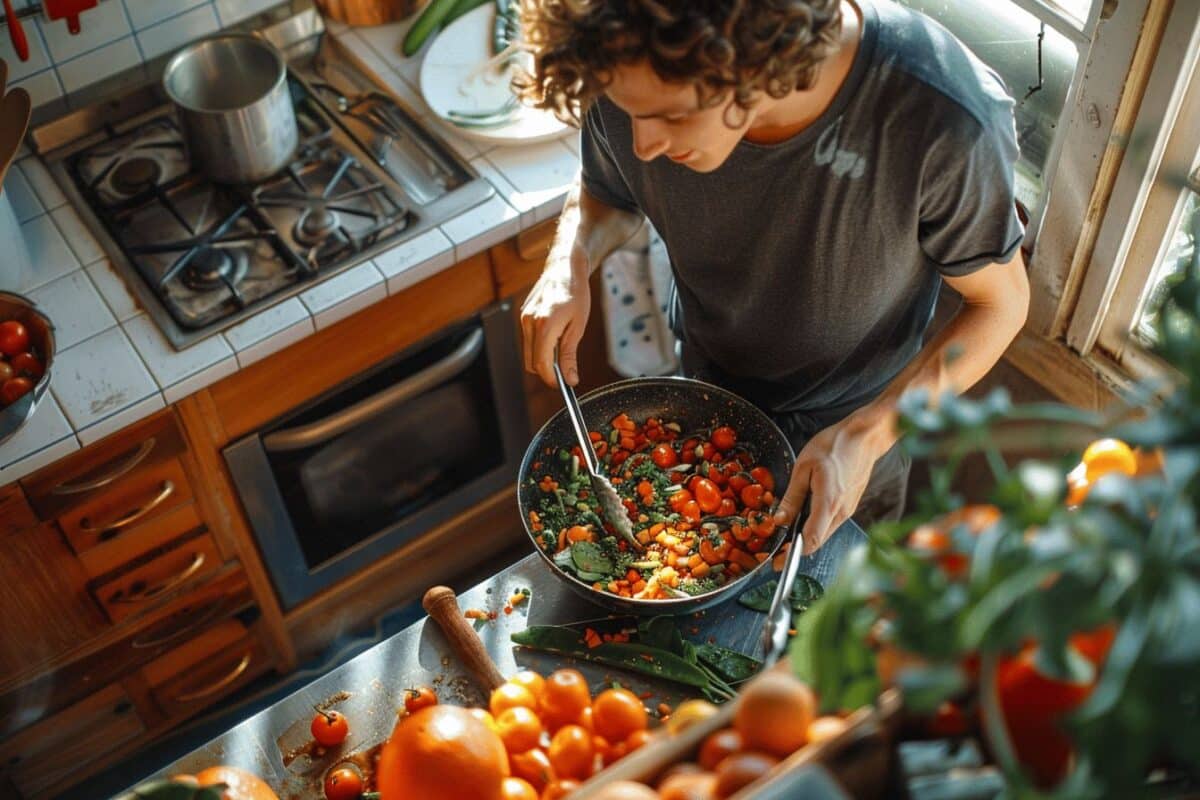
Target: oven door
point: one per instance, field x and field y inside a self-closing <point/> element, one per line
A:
<point x="359" y="472"/>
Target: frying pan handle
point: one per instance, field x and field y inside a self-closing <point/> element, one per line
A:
<point x="442" y="605"/>
<point x="575" y="414"/>
<point x="779" y="617"/>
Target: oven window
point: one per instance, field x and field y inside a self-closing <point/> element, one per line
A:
<point x="361" y="483"/>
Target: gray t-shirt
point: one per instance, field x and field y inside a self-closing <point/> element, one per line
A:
<point x="806" y="271"/>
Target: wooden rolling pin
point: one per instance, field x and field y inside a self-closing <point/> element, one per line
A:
<point x="442" y="605"/>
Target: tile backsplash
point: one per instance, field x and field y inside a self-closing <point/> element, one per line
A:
<point x="115" y="35"/>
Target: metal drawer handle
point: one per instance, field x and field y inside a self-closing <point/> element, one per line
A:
<point x="116" y="472"/>
<point x="212" y="689"/>
<point x="168" y="488"/>
<point x="167" y="585"/>
<point x="323" y="430"/>
<point x="208" y="615"/>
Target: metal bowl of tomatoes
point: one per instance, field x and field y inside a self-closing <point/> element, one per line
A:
<point x="700" y="471"/>
<point x="26" y="352"/>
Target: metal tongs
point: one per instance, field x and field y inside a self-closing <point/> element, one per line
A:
<point x="779" y="617"/>
<point x="611" y="507"/>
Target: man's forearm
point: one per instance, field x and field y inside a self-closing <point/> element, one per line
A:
<point x="591" y="228"/>
<point x="959" y="355"/>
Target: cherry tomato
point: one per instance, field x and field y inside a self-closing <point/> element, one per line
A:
<point x="763" y="475"/>
<point x="708" y="496"/>
<point x="691" y="511"/>
<point x="739" y="481"/>
<point x="14" y="338"/>
<point x="28" y="365"/>
<point x="6" y="371"/>
<point x="418" y="698"/>
<point x="664" y="456"/>
<point x="13" y="389"/>
<point x="727" y="508"/>
<point x="687" y="453"/>
<point x="724" y="438"/>
<point x="343" y="783"/>
<point x="329" y="728"/>
<point x="678" y="500"/>
<point x="752" y="496"/>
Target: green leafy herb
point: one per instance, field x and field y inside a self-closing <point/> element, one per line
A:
<point x="588" y="557"/>
<point x="805" y="591"/>
<point x="732" y="666"/>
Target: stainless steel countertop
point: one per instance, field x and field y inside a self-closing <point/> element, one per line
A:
<point x="369" y="688"/>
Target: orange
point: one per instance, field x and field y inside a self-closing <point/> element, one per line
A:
<point x="535" y="683"/>
<point x="442" y="752"/>
<point x="564" y="698"/>
<point x="557" y="790"/>
<point x="718" y="745"/>
<point x="688" y="713"/>
<point x="616" y="713"/>
<point x="774" y="712"/>
<point x="519" y="729"/>
<point x="699" y="785"/>
<point x="740" y="770"/>
<point x="239" y="783"/>
<point x="1105" y="456"/>
<point x="533" y="766"/>
<point x="571" y="752"/>
<point x="510" y="695"/>
<point x="827" y="727"/>
<point x="517" y="789"/>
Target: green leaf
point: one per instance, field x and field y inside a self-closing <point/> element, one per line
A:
<point x="925" y="687"/>
<point x="588" y="557"/>
<point x="805" y="591"/>
<point x="730" y="665"/>
<point x="174" y="790"/>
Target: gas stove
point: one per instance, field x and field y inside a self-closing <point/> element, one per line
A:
<point x="201" y="256"/>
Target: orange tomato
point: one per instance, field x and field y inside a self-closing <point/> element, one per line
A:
<point x="698" y="785"/>
<point x="774" y="712"/>
<point x="484" y="716"/>
<point x="533" y="766"/>
<point x="441" y="752"/>
<point x="510" y="695"/>
<point x="571" y="753"/>
<point x="343" y="782"/>
<point x="519" y="729"/>
<point x="740" y="770"/>
<point x="329" y="728"/>
<point x="239" y="783"/>
<point x="565" y="697"/>
<point x="1105" y="456"/>
<point x="717" y="746"/>
<point x="557" y="790"/>
<point x="637" y="739"/>
<point x="535" y="683"/>
<point x="617" y="713"/>
<point x="517" y="789"/>
<point x="419" y="697"/>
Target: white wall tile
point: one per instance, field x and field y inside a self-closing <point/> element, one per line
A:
<point x="48" y="251"/>
<point x="100" y="377"/>
<point x="42" y="87"/>
<point x="75" y="308"/>
<point x="44" y="428"/>
<point x="99" y="26"/>
<point x="42" y="183"/>
<point x="24" y="202"/>
<point x="144" y="13"/>
<point x="79" y="238"/>
<point x="168" y="365"/>
<point x="99" y="64"/>
<point x="177" y="31"/>
<point x="39" y="59"/>
<point x="112" y="288"/>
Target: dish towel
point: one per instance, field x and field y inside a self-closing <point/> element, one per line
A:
<point x="637" y="287"/>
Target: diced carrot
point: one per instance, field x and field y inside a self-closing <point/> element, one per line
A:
<point x="701" y="569"/>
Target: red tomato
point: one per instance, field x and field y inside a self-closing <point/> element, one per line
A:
<point x="763" y="475"/>
<point x="14" y="338"/>
<point x="27" y="365"/>
<point x="664" y="456"/>
<point x="708" y="496"/>
<point x="739" y="481"/>
<point x="679" y="499"/>
<point x="329" y="728"/>
<point x="418" y="698"/>
<point x="727" y="508"/>
<point x="724" y="438"/>
<point x="343" y="783"/>
<point x="6" y="371"/>
<point x="13" y="389"/>
<point x="687" y="453"/>
<point x="691" y="511"/>
<point x="752" y="496"/>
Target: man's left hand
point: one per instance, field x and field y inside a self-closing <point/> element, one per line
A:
<point x="834" y="469"/>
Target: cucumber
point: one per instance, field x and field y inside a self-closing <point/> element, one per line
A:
<point x="429" y="21"/>
<point x="462" y="7"/>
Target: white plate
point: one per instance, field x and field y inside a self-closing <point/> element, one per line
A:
<point x="453" y="56"/>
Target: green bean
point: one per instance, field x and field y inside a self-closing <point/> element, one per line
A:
<point x="429" y="21"/>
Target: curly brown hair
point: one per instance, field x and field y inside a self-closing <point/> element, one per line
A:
<point x="747" y="47"/>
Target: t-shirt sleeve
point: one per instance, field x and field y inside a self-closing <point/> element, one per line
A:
<point x="968" y="200"/>
<point x="601" y="176"/>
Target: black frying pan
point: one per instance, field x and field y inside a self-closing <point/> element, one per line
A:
<point x="696" y="406"/>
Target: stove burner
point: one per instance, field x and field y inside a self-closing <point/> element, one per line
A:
<point x="214" y="267"/>
<point x="315" y="225"/>
<point x="135" y="175"/>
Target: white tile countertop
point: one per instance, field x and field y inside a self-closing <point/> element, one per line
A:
<point x="113" y="367"/>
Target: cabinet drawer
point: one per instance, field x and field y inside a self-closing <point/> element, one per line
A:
<point x="189" y="615"/>
<point x="137" y="498"/>
<point x="47" y="753"/>
<point x="111" y="556"/>
<point x="154" y="576"/>
<point x="205" y="669"/>
<point x="100" y="468"/>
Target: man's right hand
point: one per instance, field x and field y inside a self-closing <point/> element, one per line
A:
<point x="555" y="313"/>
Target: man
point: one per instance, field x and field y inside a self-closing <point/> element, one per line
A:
<point x="816" y="169"/>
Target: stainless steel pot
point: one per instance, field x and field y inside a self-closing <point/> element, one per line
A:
<point x="231" y="91"/>
<point x="696" y="406"/>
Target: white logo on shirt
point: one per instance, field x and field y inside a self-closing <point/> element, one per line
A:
<point x="845" y="163"/>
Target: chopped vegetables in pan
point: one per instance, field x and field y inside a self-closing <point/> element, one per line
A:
<point x="700" y="504"/>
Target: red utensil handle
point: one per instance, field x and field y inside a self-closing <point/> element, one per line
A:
<point x="16" y="32"/>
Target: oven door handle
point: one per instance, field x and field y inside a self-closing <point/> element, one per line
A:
<point x="315" y="433"/>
